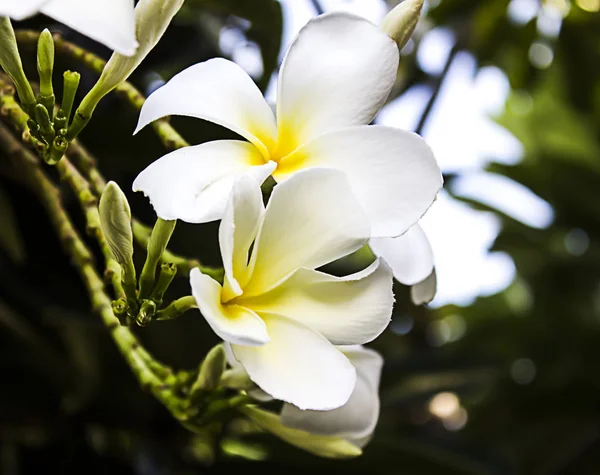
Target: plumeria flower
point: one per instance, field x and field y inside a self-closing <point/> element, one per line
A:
<point x="354" y="422"/>
<point x="280" y="315"/>
<point x="110" y="22"/>
<point x="335" y="77"/>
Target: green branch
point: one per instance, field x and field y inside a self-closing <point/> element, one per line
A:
<point x="166" y="133"/>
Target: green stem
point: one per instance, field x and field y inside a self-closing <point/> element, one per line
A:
<point x="161" y="234"/>
<point x="168" y="271"/>
<point x="141" y="234"/>
<point x="177" y="308"/>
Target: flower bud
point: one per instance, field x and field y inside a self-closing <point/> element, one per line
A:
<point x="115" y="221"/>
<point x="10" y="60"/>
<point x="400" y="23"/>
<point x="211" y="371"/>
<point x="45" y="63"/>
<point x="152" y="17"/>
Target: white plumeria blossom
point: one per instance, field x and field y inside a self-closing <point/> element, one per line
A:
<point x="335" y="77"/>
<point x="356" y="420"/>
<point x="280" y="315"/>
<point x="110" y="22"/>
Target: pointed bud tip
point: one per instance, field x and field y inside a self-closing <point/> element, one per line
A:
<point x="401" y="21"/>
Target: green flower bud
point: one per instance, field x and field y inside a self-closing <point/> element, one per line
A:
<point x="10" y="60"/>
<point x="115" y="221"/>
<point x="71" y="84"/>
<point x="45" y="62"/>
<point x="211" y="370"/>
<point x="322" y="445"/>
<point x="400" y="23"/>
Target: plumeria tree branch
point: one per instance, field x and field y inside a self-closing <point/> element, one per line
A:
<point x="82" y="259"/>
<point x="171" y="389"/>
<point x="170" y="138"/>
<point x="89" y="186"/>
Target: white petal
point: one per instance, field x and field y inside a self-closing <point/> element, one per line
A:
<point x="424" y="291"/>
<point x="311" y="219"/>
<point x="232" y="323"/>
<point x="194" y="183"/>
<point x="323" y="446"/>
<point x="356" y="420"/>
<point x="110" y="22"/>
<point x="219" y="91"/>
<point x="338" y="72"/>
<point x="410" y="255"/>
<point x="298" y="366"/>
<point x="20" y="9"/>
<point x="241" y="220"/>
<point x="345" y="310"/>
<point x="393" y="172"/>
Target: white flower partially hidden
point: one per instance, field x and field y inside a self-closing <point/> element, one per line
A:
<point x="356" y="420"/>
<point x="110" y="22"/>
<point x="338" y="433"/>
<point x="335" y="77"/>
<point x="280" y="315"/>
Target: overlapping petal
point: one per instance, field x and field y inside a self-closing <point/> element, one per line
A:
<point x="338" y="72"/>
<point x="237" y="232"/>
<point x="110" y="22"/>
<point x="346" y="310"/>
<point x="356" y="420"/>
<point x="219" y="91"/>
<point x="298" y="366"/>
<point x="424" y="292"/>
<point x="410" y="255"/>
<point x="392" y="172"/>
<point x="312" y="219"/>
<point x="194" y="183"/>
<point x="232" y="323"/>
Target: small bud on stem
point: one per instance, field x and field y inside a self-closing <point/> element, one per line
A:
<point x="400" y="23"/>
<point x="45" y="66"/>
<point x="161" y="234"/>
<point x="10" y="60"/>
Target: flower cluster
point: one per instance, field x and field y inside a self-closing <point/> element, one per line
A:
<point x="342" y="183"/>
<point x="291" y="331"/>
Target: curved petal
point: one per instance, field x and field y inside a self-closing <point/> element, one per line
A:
<point x="356" y="420"/>
<point x="219" y="91"/>
<point x="298" y="366"/>
<point x="241" y="220"/>
<point x="410" y="255"/>
<point x="424" y="291"/>
<point x="232" y="323"/>
<point x="20" y="9"/>
<point x="110" y="22"/>
<point x="345" y="310"/>
<point x="194" y="183"/>
<point x="311" y="219"/>
<point x="338" y="72"/>
<point x="393" y="172"/>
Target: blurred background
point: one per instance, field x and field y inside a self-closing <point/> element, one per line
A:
<point x="498" y="375"/>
